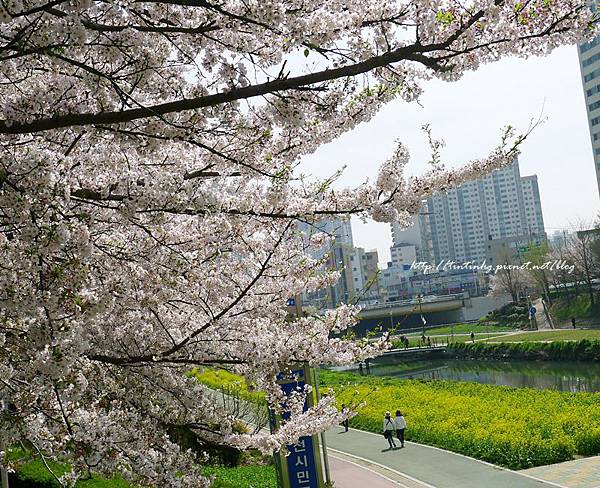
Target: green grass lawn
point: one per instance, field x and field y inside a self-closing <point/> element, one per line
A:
<point x="243" y="477"/>
<point x="463" y="329"/>
<point x="446" y="338"/>
<point x="550" y="335"/>
<point x="35" y="475"/>
<point x="579" y="307"/>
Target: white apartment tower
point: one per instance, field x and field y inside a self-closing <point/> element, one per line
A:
<point x="502" y="204"/>
<point x="412" y="243"/>
<point x="589" y="60"/>
<point x="533" y="205"/>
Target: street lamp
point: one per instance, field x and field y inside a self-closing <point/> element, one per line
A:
<point x="420" y="301"/>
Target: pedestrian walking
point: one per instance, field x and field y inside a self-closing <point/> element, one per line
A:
<point x="472" y="337"/>
<point x="406" y="343"/>
<point x="573" y="322"/>
<point x="400" y="426"/>
<point x="388" y="429"/>
<point x="346" y="422"/>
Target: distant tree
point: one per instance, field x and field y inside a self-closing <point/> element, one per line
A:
<point x="586" y="260"/>
<point x="564" y="280"/>
<point x="539" y="273"/>
<point x="510" y="280"/>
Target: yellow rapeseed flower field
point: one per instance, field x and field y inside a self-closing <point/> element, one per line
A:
<point x="512" y="427"/>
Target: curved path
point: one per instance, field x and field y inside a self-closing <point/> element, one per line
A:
<point x="420" y="466"/>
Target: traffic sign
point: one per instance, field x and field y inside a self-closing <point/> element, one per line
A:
<point x="532" y="311"/>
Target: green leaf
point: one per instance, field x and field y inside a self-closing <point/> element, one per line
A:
<point x="306" y="53"/>
<point x="444" y="17"/>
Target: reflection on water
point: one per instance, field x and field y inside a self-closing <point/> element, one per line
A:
<point x="552" y="375"/>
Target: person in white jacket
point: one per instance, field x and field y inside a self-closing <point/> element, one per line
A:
<point x="400" y="426"/>
<point x="388" y="429"/>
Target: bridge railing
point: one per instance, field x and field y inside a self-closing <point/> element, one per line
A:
<point x="414" y="301"/>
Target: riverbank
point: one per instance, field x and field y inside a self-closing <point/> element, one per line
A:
<point x="582" y="350"/>
<point x="570" y="376"/>
<point x="549" y="335"/>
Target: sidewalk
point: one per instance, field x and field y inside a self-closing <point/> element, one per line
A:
<point x="348" y="474"/>
<point x="581" y="473"/>
<point x="419" y="466"/>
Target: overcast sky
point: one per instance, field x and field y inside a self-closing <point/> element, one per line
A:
<point x="469" y="115"/>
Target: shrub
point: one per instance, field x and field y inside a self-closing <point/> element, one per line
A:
<point x="583" y="350"/>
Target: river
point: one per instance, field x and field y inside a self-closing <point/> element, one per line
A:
<point x="549" y="375"/>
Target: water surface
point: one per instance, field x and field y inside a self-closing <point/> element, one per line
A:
<point x="553" y="375"/>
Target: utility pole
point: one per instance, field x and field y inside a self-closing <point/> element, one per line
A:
<point x="420" y="299"/>
<point x="3" y="469"/>
<point x="323" y="442"/>
<point x="299" y="314"/>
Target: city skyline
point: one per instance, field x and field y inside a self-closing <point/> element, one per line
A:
<point x="558" y="151"/>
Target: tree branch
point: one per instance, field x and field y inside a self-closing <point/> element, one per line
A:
<point x="408" y="53"/>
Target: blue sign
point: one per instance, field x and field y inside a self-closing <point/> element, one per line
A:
<point x="291" y="302"/>
<point x="532" y="311"/>
<point x="302" y="464"/>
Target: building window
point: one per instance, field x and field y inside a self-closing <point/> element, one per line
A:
<point x="593" y="106"/>
<point x="589" y="45"/>
<point x="592" y="75"/>
<point x="592" y="59"/>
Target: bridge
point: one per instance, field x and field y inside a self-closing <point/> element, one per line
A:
<point x="426" y="304"/>
<point x="415" y="350"/>
<point x="407" y="313"/>
<point x="406" y="355"/>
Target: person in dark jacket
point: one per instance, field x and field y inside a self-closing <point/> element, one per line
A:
<point x="345" y="423"/>
<point x="400" y="426"/>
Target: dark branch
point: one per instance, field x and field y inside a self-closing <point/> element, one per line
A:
<point x="408" y="53"/>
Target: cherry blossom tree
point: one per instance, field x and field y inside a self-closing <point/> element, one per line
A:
<point x="149" y="191"/>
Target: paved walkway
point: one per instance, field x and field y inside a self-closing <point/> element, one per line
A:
<point x="581" y="473"/>
<point x="349" y="474"/>
<point x="419" y="466"/>
<point x="541" y="319"/>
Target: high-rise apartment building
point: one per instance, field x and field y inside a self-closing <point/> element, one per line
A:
<point x="589" y="60"/>
<point x="533" y="205"/>
<point x="412" y="243"/>
<point x="359" y="272"/>
<point x="337" y="257"/>
<point x="499" y="205"/>
<point x="364" y="268"/>
<point x="339" y="229"/>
